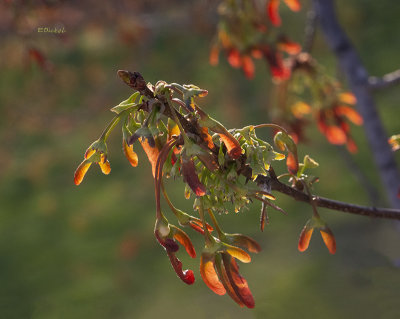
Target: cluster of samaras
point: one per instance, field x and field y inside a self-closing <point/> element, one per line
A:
<point x="221" y="168"/>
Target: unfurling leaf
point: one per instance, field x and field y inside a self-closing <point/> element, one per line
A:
<point x="151" y="151"/>
<point x="190" y="176"/>
<point x="350" y="113"/>
<point x="130" y="153"/>
<point x="309" y="162"/>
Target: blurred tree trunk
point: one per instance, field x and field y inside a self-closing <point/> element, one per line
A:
<point x="357" y="77"/>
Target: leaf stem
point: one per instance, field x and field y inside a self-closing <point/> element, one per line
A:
<point x="207" y="235"/>
<point x="271" y="125"/>
<point x="215" y="222"/>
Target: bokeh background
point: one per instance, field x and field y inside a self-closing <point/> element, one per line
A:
<point x="89" y="251"/>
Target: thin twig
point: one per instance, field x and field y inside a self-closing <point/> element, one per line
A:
<point x="310" y="30"/>
<point x="384" y="81"/>
<point x="334" y="204"/>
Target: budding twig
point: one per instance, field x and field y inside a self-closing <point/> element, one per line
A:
<point x="377" y="212"/>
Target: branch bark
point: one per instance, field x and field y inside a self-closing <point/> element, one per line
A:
<point x="377" y="212"/>
<point x="384" y="81"/>
<point x="357" y="77"/>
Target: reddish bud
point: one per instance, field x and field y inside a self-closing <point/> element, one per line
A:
<point x="81" y="171"/>
<point x="335" y="135"/>
<point x="197" y="225"/>
<point x="329" y="239"/>
<point x="207" y="138"/>
<point x="293" y="5"/>
<point x="305" y="237"/>
<point x="184" y="240"/>
<point x="226" y="282"/>
<point x="350" y="113"/>
<point x="292" y="163"/>
<point x="394" y="142"/>
<point x="288" y="46"/>
<point x="105" y="166"/>
<point x="234" y="58"/>
<point x="232" y="145"/>
<point x="238" y="253"/>
<point x="130" y="153"/>
<point x="187" y="275"/>
<point x="248" y="66"/>
<point x="243" y="241"/>
<point x="239" y="284"/>
<point x="256" y="54"/>
<point x="151" y="151"/>
<point x="209" y="275"/>
<point x="273" y="12"/>
<point x="190" y="176"/>
<point x="214" y="55"/>
<point x="351" y="145"/>
<point x="299" y="109"/>
<point x="348" y="98"/>
<point x="278" y="69"/>
<point x="170" y="245"/>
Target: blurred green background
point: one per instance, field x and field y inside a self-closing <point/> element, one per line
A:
<point x="89" y="251"/>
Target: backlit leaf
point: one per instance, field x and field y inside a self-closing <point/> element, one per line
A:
<point x="350" y="113"/>
<point x="184" y="240"/>
<point x="81" y="171"/>
<point x="130" y="153"/>
<point x="348" y="98"/>
<point x="273" y="12"/>
<point x="234" y="58"/>
<point x="329" y="239"/>
<point x="151" y="152"/>
<point x="209" y="275"/>
<point x="293" y="5"/>
<point x="190" y="176"/>
<point x="248" y="66"/>
<point x="237" y="253"/>
<point x="305" y="238"/>
<point x="239" y="284"/>
<point x="335" y="135"/>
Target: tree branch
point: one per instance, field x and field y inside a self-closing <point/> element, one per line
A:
<point x="358" y="80"/>
<point x="384" y="81"/>
<point x="388" y="213"/>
